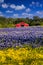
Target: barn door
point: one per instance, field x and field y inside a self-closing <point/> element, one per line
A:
<point x="22" y="25"/>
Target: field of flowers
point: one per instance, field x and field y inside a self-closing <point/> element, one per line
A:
<point x="21" y="56"/>
<point x="21" y="46"/>
<point x="12" y="37"/>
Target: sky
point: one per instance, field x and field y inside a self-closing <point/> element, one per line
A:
<point x="21" y="8"/>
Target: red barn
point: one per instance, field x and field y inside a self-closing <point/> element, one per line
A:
<point x="22" y="24"/>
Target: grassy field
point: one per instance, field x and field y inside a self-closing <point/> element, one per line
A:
<point x="21" y="56"/>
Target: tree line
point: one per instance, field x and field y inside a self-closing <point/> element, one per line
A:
<point x="10" y="22"/>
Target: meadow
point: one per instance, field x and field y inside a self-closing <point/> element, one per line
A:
<point x="21" y="46"/>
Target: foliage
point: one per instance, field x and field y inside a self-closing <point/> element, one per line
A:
<point x="10" y="22"/>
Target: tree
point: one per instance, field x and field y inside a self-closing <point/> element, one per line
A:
<point x="36" y="18"/>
